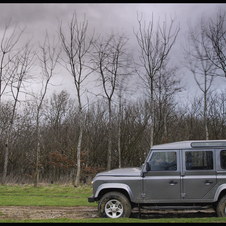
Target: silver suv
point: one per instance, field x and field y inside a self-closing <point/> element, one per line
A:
<point x="187" y="174"/>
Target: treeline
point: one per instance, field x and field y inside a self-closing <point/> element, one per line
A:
<point x="60" y="131"/>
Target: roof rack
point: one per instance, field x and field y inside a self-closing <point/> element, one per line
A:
<point x="199" y="144"/>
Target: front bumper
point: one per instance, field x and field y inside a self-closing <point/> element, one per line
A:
<point x="91" y="199"/>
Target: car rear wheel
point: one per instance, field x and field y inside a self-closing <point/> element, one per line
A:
<point x="221" y="207"/>
<point x="114" y="205"/>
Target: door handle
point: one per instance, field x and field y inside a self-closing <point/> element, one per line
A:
<point x="172" y="182"/>
<point x="207" y="182"/>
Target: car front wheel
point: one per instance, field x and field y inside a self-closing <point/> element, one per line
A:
<point x="221" y="207"/>
<point x="114" y="205"/>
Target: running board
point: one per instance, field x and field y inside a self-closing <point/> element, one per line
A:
<point x="174" y="207"/>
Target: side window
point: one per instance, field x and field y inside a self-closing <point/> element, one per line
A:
<point x="163" y="161"/>
<point x="223" y="159"/>
<point x="199" y="160"/>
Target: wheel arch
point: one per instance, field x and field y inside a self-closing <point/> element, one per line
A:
<point x="117" y="187"/>
<point x="221" y="191"/>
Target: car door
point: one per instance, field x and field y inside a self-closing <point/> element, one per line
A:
<point x="198" y="174"/>
<point x="162" y="183"/>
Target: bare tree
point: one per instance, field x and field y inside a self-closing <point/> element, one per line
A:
<point x="155" y="46"/>
<point x="48" y="60"/>
<point x="77" y="47"/>
<point x="123" y="92"/>
<point x="200" y="64"/>
<point x="111" y="62"/>
<point x="22" y="65"/>
<point x="217" y="113"/>
<point x="120" y="116"/>
<point x="167" y="85"/>
<point x="57" y="109"/>
<point x="8" y="52"/>
<point x="217" y="36"/>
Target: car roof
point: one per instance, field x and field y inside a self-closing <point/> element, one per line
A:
<point x="191" y="144"/>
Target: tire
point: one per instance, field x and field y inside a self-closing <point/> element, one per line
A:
<point x="221" y="207"/>
<point x="114" y="205"/>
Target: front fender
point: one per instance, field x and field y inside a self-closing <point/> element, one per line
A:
<point x="219" y="190"/>
<point x="113" y="186"/>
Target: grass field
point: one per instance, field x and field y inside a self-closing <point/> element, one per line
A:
<point x="66" y="196"/>
<point x="51" y="195"/>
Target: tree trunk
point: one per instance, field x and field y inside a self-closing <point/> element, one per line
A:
<point x="109" y="136"/>
<point x="119" y="131"/>
<point x="78" y="175"/>
<point x="205" y="111"/>
<point x="37" y="166"/>
<point x="119" y="144"/>
<point x="6" y="161"/>
<point x="152" y="114"/>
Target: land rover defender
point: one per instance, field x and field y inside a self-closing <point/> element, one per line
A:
<point x="186" y="174"/>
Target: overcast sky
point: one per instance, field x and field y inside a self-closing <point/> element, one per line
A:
<point x="104" y="18"/>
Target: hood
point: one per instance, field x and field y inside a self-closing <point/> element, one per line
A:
<point x="122" y="172"/>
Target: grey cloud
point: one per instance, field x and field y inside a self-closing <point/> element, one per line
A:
<point x="104" y="18"/>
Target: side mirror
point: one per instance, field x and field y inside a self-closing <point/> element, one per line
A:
<point x="148" y="167"/>
<point x="145" y="168"/>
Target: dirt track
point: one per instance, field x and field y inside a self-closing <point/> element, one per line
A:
<point x="84" y="212"/>
<point x="46" y="212"/>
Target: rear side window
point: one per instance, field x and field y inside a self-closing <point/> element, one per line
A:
<point x="199" y="160"/>
<point x="223" y="159"/>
